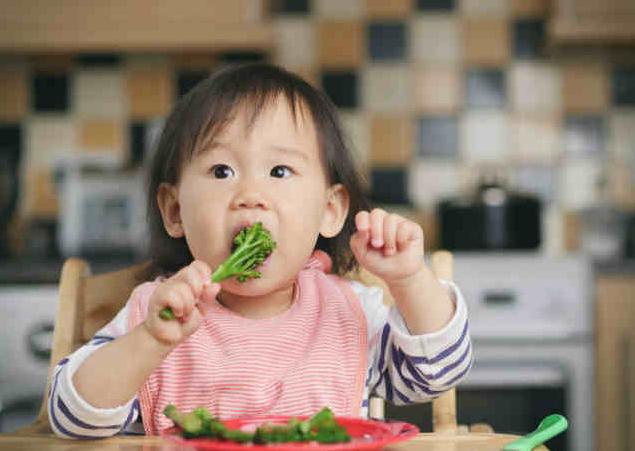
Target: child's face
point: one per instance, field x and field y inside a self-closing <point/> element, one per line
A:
<point x="270" y="173"/>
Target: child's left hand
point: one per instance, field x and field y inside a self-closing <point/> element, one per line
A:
<point x="388" y="245"/>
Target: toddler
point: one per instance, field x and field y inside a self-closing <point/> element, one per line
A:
<point x="255" y="143"/>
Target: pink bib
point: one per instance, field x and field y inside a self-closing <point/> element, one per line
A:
<point x="311" y="356"/>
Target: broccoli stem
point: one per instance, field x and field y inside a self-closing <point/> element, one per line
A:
<point x="253" y="246"/>
<point x="189" y="422"/>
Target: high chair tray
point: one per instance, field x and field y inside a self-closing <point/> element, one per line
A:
<point x="366" y="435"/>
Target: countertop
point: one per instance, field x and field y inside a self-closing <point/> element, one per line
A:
<point x="29" y="271"/>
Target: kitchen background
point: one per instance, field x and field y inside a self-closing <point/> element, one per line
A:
<point x="463" y="114"/>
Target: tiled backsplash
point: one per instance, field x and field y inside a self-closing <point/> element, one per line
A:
<point x="430" y="92"/>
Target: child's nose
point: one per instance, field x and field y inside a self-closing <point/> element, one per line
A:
<point x="250" y="198"/>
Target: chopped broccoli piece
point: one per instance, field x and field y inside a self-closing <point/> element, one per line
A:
<point x="321" y="428"/>
<point x="252" y="245"/>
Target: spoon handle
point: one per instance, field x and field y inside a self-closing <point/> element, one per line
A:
<point x="548" y="428"/>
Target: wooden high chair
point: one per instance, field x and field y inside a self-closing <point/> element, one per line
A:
<point x="87" y="303"/>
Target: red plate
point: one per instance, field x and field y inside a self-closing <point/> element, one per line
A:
<point x="366" y="435"/>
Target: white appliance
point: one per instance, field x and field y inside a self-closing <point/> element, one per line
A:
<point x="532" y="329"/>
<point x="27" y="317"/>
<point x="102" y="208"/>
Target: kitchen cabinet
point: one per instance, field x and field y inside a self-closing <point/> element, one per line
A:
<point x="132" y="25"/>
<point x="593" y="22"/>
<point x="615" y="362"/>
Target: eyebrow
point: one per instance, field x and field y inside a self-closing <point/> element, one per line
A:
<point x="292" y="151"/>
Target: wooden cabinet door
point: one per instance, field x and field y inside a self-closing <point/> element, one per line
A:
<point x="593" y="21"/>
<point x="615" y="363"/>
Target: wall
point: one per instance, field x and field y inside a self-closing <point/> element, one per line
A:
<point x="431" y="92"/>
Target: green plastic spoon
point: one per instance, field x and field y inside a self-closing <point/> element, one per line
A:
<point x="548" y="428"/>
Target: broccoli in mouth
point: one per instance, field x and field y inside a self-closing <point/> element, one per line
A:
<point x="251" y="246"/>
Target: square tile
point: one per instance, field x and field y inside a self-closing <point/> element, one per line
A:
<point x="438" y="137"/>
<point x="241" y="56"/>
<point x="99" y="60"/>
<point x="438" y="89"/>
<point x="623" y="79"/>
<point x="486" y="42"/>
<point x="387" y="88"/>
<point x="10" y="143"/>
<point x="535" y="87"/>
<point x="585" y="88"/>
<point x="187" y="79"/>
<point x="101" y="136"/>
<point x="485" y="88"/>
<point x="150" y="93"/>
<point x="536" y="138"/>
<point x="50" y="92"/>
<point x="341" y="87"/>
<point x="621" y="185"/>
<point x="338" y="9"/>
<point x="307" y="73"/>
<point x="294" y="42"/>
<point x="137" y="134"/>
<point x="38" y="193"/>
<point x="578" y="183"/>
<point x="357" y="132"/>
<point x="47" y="139"/>
<point x="621" y="126"/>
<point x="197" y="61"/>
<point x="147" y="61"/>
<point x="584" y="135"/>
<point x="14" y="94"/>
<point x="429" y="181"/>
<point x="100" y="93"/>
<point x="540" y="180"/>
<point x="391" y="139"/>
<point x="436" y="39"/>
<point x="389" y="185"/>
<point x="289" y="6"/>
<point x="530" y="8"/>
<point x="387" y="41"/>
<point x="394" y="9"/>
<point x="340" y="44"/>
<point x="485" y="137"/>
<point x="435" y="5"/>
<point x="529" y="38"/>
<point x="489" y="8"/>
<point x="53" y="63"/>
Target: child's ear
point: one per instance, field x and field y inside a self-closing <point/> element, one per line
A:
<point x="337" y="202"/>
<point x="168" y="201"/>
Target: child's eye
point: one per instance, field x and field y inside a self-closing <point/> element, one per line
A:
<point x="221" y="171"/>
<point x="281" y="171"/>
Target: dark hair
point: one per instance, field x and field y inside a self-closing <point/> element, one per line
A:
<point x="203" y="112"/>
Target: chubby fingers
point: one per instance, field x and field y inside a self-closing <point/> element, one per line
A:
<point x="386" y="231"/>
<point x="198" y="277"/>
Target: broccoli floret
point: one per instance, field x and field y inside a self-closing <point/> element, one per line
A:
<point x="252" y="245"/>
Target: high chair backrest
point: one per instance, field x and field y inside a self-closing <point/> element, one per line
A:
<point x="87" y="303"/>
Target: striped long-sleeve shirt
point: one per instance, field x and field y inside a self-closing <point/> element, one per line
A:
<point x="402" y="368"/>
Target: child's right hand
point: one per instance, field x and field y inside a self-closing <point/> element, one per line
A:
<point x="183" y="293"/>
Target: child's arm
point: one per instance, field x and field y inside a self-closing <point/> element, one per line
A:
<point x="405" y="368"/>
<point x="113" y="374"/>
<point x="391" y="247"/>
<point x="72" y="417"/>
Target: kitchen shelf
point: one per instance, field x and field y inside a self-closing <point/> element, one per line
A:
<point x="593" y="22"/>
<point x="33" y="26"/>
